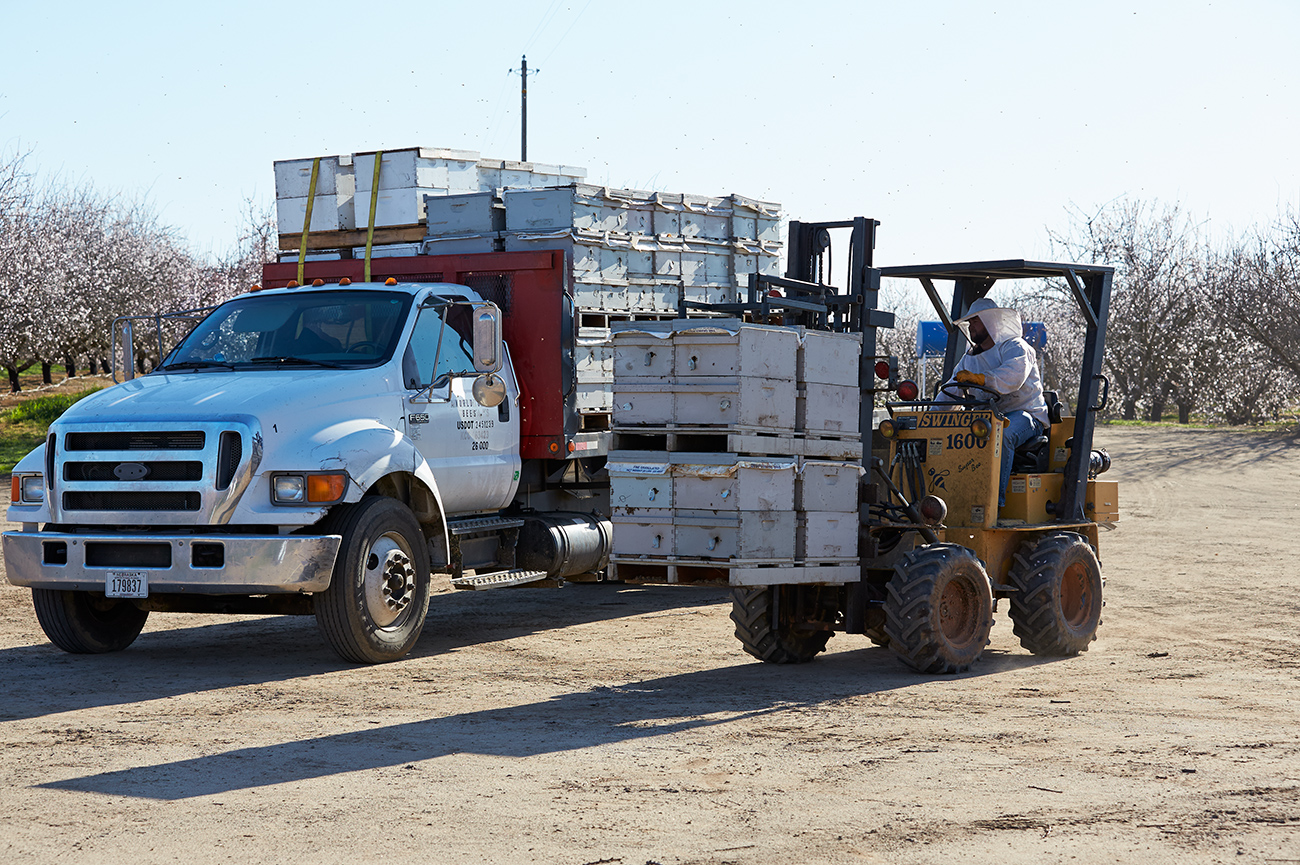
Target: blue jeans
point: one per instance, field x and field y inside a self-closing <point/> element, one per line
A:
<point x="1024" y="427"/>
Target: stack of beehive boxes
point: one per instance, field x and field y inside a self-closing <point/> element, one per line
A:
<point x="636" y="251"/>
<point x="407" y="179"/>
<point x="635" y="254"/>
<point x="715" y="465"/>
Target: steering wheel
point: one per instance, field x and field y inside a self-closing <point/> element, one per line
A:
<point x="357" y="346"/>
<point x="993" y="396"/>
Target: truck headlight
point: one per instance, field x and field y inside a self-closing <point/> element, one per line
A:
<point x="27" y="489"/>
<point x="309" y="488"/>
<point x="289" y="490"/>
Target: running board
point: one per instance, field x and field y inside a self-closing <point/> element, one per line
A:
<point x="499" y="580"/>
<point x="482" y="525"/>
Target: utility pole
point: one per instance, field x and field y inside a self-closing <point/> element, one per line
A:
<point x="523" y="112"/>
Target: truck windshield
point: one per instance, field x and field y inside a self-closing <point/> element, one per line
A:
<point x="328" y="329"/>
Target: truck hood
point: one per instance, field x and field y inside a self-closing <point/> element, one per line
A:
<point x="203" y="395"/>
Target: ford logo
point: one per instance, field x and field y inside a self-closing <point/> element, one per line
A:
<point x="130" y="471"/>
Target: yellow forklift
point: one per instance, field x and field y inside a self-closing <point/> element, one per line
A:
<point x="936" y="552"/>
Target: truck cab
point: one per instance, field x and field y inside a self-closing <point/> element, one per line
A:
<point x="304" y="449"/>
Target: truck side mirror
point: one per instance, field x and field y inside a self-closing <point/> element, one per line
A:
<point x="487" y="337"/>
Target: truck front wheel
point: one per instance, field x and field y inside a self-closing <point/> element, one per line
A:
<point x="86" y="624"/>
<point x="374" y="608"/>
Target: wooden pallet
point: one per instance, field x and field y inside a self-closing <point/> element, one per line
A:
<point x="354" y="237"/>
<point x="735" y="572"/>
<point x="737" y="440"/>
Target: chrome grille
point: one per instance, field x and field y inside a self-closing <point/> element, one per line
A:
<point x="189" y="470"/>
<point x="162" y="440"/>
<point x="116" y="500"/>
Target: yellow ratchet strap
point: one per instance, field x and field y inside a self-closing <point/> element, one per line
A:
<point x="306" y="223"/>
<point x="374" y="201"/>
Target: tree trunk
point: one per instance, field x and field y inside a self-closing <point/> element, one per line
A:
<point x="70" y="365"/>
<point x="104" y="367"/>
<point x="1130" y="411"/>
<point x="1157" y="411"/>
<point x="1185" y="412"/>
<point x="45" y="373"/>
<point x="14" y="387"/>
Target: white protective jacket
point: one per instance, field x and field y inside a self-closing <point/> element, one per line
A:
<point x="1010" y="367"/>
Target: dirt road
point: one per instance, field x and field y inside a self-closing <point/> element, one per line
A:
<point x="607" y="724"/>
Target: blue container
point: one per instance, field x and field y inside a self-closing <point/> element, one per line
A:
<point x="932" y="337"/>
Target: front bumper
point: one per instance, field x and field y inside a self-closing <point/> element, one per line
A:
<point x="244" y="564"/>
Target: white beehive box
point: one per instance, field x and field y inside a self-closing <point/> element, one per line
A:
<point x="579" y="206"/>
<point x="744" y="402"/>
<point x="406" y="177"/>
<point x="747" y="485"/>
<point x="705" y="216"/>
<point x="473" y="243"/>
<point x="335" y="187"/>
<point x="747" y="351"/>
<point x="471" y="213"/>
<point x="829" y="358"/>
<point x="642" y="355"/>
<point x="390" y="250"/>
<point x="824" y="536"/>
<point x="634" y="487"/>
<point x="643" y="534"/>
<point x="746" y="535"/>
<point x="828" y="408"/>
<point x="823" y="485"/>
<point x="756" y="220"/>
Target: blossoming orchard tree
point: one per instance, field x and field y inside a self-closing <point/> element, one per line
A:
<point x="72" y="260"/>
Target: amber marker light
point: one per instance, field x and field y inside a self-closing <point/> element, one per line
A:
<point x="293" y="283"/>
<point x="390" y="281"/>
<point x="326" y="488"/>
<point x="555" y="447"/>
<point x="316" y="283"/>
<point x="980" y="428"/>
<point x="15" y="491"/>
<point x="887" y="428"/>
<point x="345" y="281"/>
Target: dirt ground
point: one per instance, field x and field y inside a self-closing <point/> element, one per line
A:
<point x="611" y="724"/>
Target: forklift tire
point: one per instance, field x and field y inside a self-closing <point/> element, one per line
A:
<point x="378" y="596"/>
<point x="939" y="609"/>
<point x="751" y="610"/>
<point x="86" y="624"/>
<point x="1056" y="608"/>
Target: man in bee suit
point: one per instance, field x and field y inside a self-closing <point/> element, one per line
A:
<point x="1000" y="360"/>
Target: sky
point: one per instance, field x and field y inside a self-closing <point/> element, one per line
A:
<point x="969" y="129"/>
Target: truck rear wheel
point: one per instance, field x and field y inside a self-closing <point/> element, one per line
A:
<point x="378" y="596"/>
<point x="939" y="610"/>
<point x="788" y="641"/>
<point x="1056" y="609"/>
<point x="86" y="624"/>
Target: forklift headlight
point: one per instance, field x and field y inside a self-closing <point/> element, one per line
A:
<point x="289" y="490"/>
<point x="980" y="428"/>
<point x="887" y="428"/>
<point x="27" y="489"/>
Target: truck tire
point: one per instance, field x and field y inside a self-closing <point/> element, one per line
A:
<point x="751" y="610"/>
<point x="1056" y="608"/>
<point x="939" y="609"/>
<point x="378" y="596"/>
<point x="86" y="624"/>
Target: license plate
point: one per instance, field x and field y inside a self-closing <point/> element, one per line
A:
<point x="126" y="584"/>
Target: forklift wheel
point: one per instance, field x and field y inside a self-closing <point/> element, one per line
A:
<point x="1057" y="606"/>
<point x="784" y="641"/>
<point x="939" y="611"/>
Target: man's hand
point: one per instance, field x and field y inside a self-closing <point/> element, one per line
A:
<point x="967" y="377"/>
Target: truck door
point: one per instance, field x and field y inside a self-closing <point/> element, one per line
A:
<point x="472" y="449"/>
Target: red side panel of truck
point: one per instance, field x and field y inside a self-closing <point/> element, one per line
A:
<point x="531" y="289"/>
